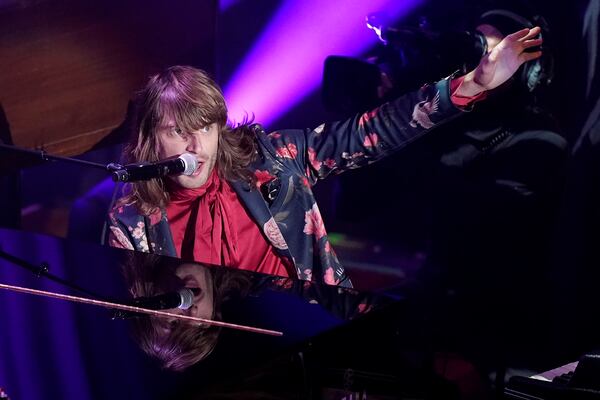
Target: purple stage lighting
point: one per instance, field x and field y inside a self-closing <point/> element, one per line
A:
<point x="225" y="4"/>
<point x="286" y="63"/>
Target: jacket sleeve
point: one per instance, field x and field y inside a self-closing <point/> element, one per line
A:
<point x="118" y="239"/>
<point x="117" y="235"/>
<point x="366" y="138"/>
<point x="127" y="229"/>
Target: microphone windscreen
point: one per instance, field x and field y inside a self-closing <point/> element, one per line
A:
<point x="187" y="298"/>
<point x="190" y="162"/>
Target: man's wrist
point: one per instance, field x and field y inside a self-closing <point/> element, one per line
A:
<point x="468" y="87"/>
<point x="463" y="99"/>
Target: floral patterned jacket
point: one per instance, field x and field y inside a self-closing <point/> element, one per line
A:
<point x="289" y="163"/>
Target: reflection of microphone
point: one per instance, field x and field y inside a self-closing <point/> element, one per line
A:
<point x="185" y="164"/>
<point x="182" y="299"/>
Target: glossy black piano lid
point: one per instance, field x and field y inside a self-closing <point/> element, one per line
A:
<point x="76" y="350"/>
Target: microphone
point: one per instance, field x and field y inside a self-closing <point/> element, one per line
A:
<point x="183" y="299"/>
<point x="185" y="164"/>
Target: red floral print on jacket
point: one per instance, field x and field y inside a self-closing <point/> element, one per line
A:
<point x="371" y="140"/>
<point x="366" y="117"/>
<point x="263" y="177"/>
<point x="312" y="158"/>
<point x="313" y="222"/>
<point x="288" y="151"/>
<point x="273" y="233"/>
<point x="329" y="277"/>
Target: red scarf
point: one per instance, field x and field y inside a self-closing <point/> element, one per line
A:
<point x="200" y="222"/>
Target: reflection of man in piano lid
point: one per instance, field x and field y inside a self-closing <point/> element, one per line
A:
<point x="250" y="204"/>
<point x="197" y="277"/>
<point x="180" y="344"/>
<point x="177" y="344"/>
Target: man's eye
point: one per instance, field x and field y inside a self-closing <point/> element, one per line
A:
<point x="176" y="132"/>
<point x="205" y="129"/>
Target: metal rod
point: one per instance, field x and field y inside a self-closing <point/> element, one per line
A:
<point x="42" y="270"/>
<point x="47" y="157"/>
<point x="156" y="313"/>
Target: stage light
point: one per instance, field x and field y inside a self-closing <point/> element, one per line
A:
<point x="286" y="63"/>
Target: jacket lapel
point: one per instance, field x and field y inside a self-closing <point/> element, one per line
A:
<point x="259" y="211"/>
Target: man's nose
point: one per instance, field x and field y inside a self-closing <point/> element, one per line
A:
<point x="194" y="143"/>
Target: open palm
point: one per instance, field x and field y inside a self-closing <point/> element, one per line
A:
<point x="503" y="60"/>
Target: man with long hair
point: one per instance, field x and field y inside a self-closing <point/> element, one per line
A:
<point x="249" y="204"/>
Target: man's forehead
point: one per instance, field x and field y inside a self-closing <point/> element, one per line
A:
<point x="169" y="123"/>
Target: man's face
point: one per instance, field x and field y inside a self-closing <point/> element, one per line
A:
<point x="195" y="276"/>
<point x="202" y="143"/>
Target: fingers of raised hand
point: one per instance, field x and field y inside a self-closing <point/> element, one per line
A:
<point x="528" y="42"/>
<point x="532" y="43"/>
<point x="513" y="37"/>
<point x="533" y="32"/>
<point x="524" y="57"/>
<point x="524" y="34"/>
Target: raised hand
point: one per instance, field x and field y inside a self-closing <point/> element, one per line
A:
<point x="501" y="62"/>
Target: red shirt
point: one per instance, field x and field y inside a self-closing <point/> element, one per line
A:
<point x="211" y="225"/>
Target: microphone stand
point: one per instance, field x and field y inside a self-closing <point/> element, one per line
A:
<point x="95" y="299"/>
<point x="111" y="168"/>
<point x="41" y="270"/>
<point x="44" y="156"/>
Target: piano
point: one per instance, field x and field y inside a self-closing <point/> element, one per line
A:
<point x="576" y="380"/>
<point x="336" y="343"/>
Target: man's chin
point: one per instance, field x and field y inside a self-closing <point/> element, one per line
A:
<point x="189" y="182"/>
